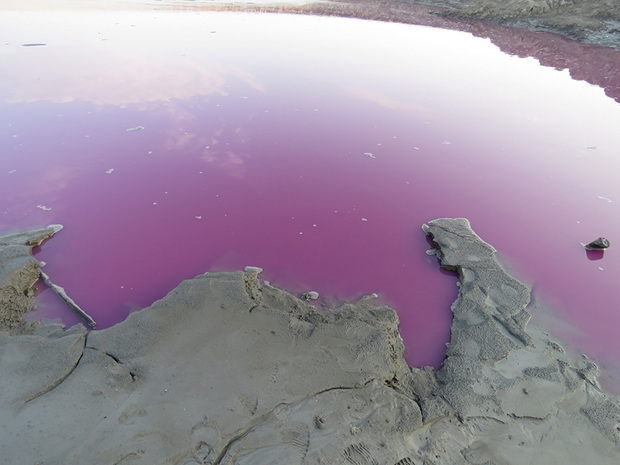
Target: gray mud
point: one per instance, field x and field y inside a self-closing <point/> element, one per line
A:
<point x="227" y="369"/>
<point x="592" y="21"/>
<point x="18" y="273"/>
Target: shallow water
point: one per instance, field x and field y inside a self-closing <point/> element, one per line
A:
<point x="173" y="143"/>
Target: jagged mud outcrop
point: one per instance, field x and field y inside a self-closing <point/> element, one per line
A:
<point x="19" y="270"/>
<point x="509" y="381"/>
<point x="227" y="369"/>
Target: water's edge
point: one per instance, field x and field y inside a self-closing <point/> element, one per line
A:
<point x="228" y="368"/>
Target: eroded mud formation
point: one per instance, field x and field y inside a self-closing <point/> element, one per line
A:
<point x="227" y="369"/>
<point x="590" y="21"/>
<point x="19" y="270"/>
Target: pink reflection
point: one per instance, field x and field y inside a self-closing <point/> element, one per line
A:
<point x="595" y="254"/>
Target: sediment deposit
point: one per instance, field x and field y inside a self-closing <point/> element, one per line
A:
<point x="227" y="369"/>
<point x="18" y="273"/>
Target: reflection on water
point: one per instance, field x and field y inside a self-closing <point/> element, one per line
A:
<point x="172" y="143"/>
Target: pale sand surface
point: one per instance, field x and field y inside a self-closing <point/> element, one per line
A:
<point x="228" y="369"/>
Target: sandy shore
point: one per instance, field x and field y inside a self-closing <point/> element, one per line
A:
<point x="227" y="369"/>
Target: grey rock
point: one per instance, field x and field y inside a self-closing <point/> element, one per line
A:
<point x="310" y="295"/>
<point x="601" y="243"/>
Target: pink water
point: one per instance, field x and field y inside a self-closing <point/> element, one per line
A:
<point x="170" y="144"/>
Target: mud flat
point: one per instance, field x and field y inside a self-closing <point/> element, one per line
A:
<point x="596" y="22"/>
<point x="227" y="369"/>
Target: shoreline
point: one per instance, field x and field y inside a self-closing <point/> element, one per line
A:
<point x="229" y="369"/>
<point x="594" y="23"/>
<point x="588" y="49"/>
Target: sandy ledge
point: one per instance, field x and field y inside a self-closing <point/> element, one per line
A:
<point x="227" y="369"/>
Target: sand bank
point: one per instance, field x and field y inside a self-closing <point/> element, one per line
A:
<point x="227" y="369"/>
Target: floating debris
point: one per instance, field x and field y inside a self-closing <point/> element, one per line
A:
<point x="608" y="200"/>
<point x="33" y="45"/>
<point x="109" y="171"/>
<point x="601" y="243"/>
<point x="369" y="155"/>
<point x="44" y="208"/>
<point x="12" y="171"/>
<point x="137" y="128"/>
<point x="446" y="142"/>
<point x="364" y="219"/>
<point x="68" y="300"/>
<point x="592" y="147"/>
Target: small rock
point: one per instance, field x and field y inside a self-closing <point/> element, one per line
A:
<point x="310" y="295"/>
<point x="253" y="269"/>
<point x="599" y="244"/>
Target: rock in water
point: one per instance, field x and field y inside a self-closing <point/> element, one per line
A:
<point x="310" y="295"/>
<point x="601" y="243"/>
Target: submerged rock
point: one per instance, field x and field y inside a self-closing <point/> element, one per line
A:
<point x="228" y="370"/>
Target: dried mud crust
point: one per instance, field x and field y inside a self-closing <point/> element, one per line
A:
<point x="227" y="369"/>
<point x="18" y="273"/>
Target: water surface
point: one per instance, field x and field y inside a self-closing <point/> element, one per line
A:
<point x="174" y="143"/>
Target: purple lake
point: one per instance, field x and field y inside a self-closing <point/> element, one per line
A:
<point x="174" y="143"/>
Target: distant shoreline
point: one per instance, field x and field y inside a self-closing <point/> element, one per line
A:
<point x="592" y="22"/>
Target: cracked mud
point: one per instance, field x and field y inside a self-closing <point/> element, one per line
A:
<point x="198" y="379"/>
